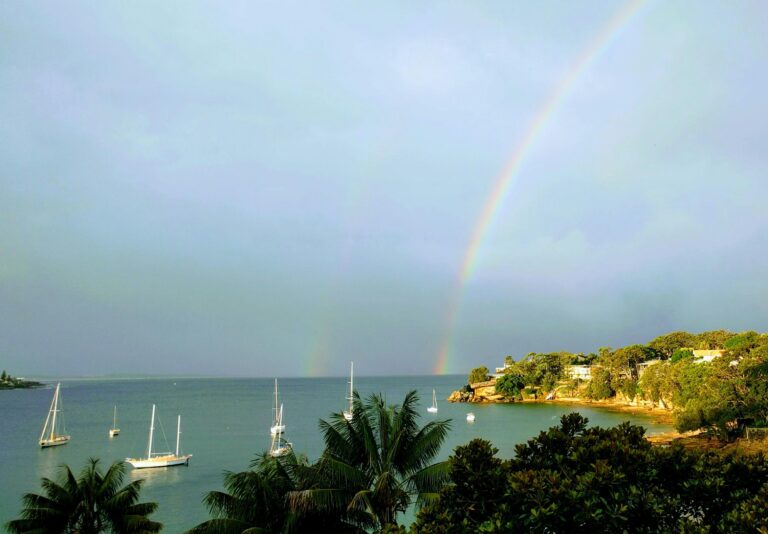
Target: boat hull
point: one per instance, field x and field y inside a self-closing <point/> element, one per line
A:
<point x="55" y="442"/>
<point x="114" y="432"/>
<point x="349" y="416"/>
<point x="277" y="429"/>
<point x="162" y="461"/>
<point x="432" y="409"/>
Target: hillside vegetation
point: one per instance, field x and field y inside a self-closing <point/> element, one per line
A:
<point x="723" y="391"/>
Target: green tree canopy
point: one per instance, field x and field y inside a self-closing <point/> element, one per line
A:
<point x="624" y="361"/>
<point x="542" y="369"/>
<point x="681" y="354"/>
<point x="257" y="500"/>
<point x="669" y="343"/>
<point x="742" y="343"/>
<point x="375" y="465"/>
<point x="713" y="339"/>
<point x="603" y="480"/>
<point x="478" y="374"/>
<point x="510" y="385"/>
<point x="91" y="503"/>
<point x="600" y="386"/>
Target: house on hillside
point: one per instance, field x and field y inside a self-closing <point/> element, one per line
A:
<point x="641" y="367"/>
<point x="706" y="355"/>
<point x="500" y="371"/>
<point x="582" y="372"/>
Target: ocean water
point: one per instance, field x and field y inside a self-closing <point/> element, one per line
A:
<point x="225" y="422"/>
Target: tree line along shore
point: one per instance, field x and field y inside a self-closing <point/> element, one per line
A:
<point x="714" y="381"/>
<point x="10" y="382"/>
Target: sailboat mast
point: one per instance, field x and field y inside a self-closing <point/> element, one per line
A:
<point x="276" y="414"/>
<point x="151" y="431"/>
<point x="114" y="418"/>
<point x="55" y="409"/>
<point x="351" y="385"/>
<point x="178" y="433"/>
<point x="48" y="417"/>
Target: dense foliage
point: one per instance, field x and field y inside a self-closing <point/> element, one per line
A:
<point x="510" y="385"/>
<point x="373" y="468"/>
<point x="723" y="395"/>
<point x="478" y="374"/>
<point x="91" y="503"/>
<point x="376" y="465"/>
<point x="722" y="392"/>
<point x="256" y="500"/>
<point x="544" y="371"/>
<point x="577" y="479"/>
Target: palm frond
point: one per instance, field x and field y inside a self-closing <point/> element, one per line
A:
<point x="323" y="499"/>
<point x="429" y="479"/>
<point x="361" y="502"/>
<point x="337" y="473"/>
<point x="339" y="440"/>
<point x="422" y="447"/>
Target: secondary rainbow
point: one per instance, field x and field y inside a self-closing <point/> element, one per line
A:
<point x="511" y="169"/>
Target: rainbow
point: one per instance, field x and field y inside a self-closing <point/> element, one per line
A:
<point x="511" y="169"/>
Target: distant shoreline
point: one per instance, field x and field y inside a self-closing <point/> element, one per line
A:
<point x="220" y="377"/>
<point x="20" y="384"/>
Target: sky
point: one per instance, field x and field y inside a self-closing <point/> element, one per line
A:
<point x="277" y="188"/>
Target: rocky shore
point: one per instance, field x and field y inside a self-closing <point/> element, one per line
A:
<point x="485" y="393"/>
<point x="18" y="383"/>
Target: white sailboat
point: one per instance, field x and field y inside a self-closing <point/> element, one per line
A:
<point x="49" y="437"/>
<point x="114" y="431"/>
<point x="433" y="408"/>
<point x="160" y="459"/>
<point x="279" y="446"/>
<point x="349" y="414"/>
<point x="277" y="425"/>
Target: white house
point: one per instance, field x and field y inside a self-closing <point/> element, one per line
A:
<point x="582" y="372"/>
<point x="706" y="355"/>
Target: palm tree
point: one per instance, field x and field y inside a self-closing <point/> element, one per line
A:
<point x="255" y="501"/>
<point x="92" y="503"/>
<point x="375" y="465"/>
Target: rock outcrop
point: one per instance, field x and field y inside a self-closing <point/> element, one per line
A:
<point x="460" y="396"/>
<point x="479" y="392"/>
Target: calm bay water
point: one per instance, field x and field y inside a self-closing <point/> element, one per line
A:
<point x="225" y="422"/>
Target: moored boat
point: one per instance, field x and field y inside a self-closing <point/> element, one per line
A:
<point x="161" y="459"/>
<point x="433" y="408"/>
<point x="279" y="446"/>
<point x="277" y="426"/>
<point x="114" y="431"/>
<point x="51" y="436"/>
<point x="350" y="413"/>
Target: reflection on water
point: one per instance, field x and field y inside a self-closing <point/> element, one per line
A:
<point x="158" y="476"/>
<point x="50" y="460"/>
